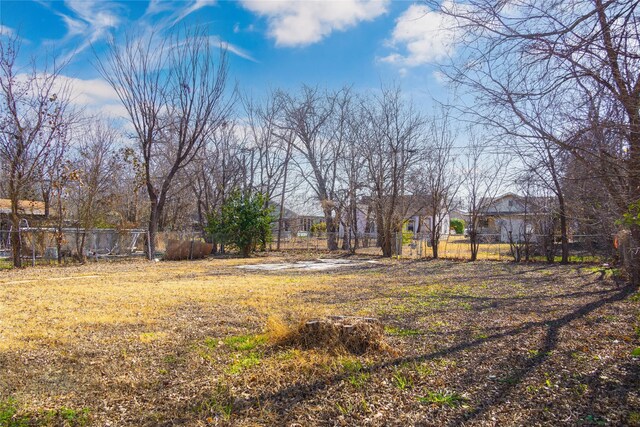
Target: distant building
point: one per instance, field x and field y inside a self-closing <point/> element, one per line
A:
<point x="32" y="210"/>
<point x="294" y="223"/>
<point x="513" y="215"/>
<point x="418" y="216"/>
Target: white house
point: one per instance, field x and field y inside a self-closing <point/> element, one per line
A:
<point x="418" y="217"/>
<point x="510" y="215"/>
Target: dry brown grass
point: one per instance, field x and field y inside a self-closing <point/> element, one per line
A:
<point x="334" y="334"/>
<point x="199" y="343"/>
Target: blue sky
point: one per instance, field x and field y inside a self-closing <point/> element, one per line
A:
<point x="272" y="44"/>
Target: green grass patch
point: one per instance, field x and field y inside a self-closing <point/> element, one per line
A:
<point x="534" y="353"/>
<point x="443" y="398"/>
<point x="636" y="352"/>
<point x="402" y="381"/>
<point x="71" y="417"/>
<point x="608" y="272"/>
<point x="422" y="369"/>
<point x="220" y="403"/>
<point x="356" y="377"/>
<point x="244" y="362"/>
<point x="400" y="332"/>
<point x="245" y="342"/>
<point x="63" y="416"/>
<point x="211" y="343"/>
<point x="351" y="365"/>
<point x="358" y="380"/>
<point x="8" y="414"/>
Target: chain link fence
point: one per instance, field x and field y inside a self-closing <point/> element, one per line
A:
<point x="47" y="245"/>
<point x="50" y="245"/>
<point x="582" y="248"/>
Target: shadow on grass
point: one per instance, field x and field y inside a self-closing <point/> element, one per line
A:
<point x="299" y="392"/>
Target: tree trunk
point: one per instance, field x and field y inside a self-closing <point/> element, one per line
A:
<point x="80" y="246"/>
<point x="634" y="255"/>
<point x="60" y="223"/>
<point x="354" y="216"/>
<point x="473" y="239"/>
<point x="16" y="244"/>
<point x="387" y="243"/>
<point x="332" y="243"/>
<point x="153" y="230"/>
<point x="564" y="238"/>
<point x="281" y="214"/>
<point x="246" y="250"/>
<point x="435" y="238"/>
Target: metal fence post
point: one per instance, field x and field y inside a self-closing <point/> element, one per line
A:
<point x="149" y="245"/>
<point x="33" y="250"/>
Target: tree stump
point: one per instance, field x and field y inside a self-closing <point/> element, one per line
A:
<point x="353" y="334"/>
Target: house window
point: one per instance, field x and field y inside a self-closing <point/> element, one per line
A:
<point x="510" y="203"/>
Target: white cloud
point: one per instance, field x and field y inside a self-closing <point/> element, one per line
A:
<point x="91" y="21"/>
<point x="6" y="31"/>
<point x="300" y="23"/>
<point x="158" y="6"/>
<point x="422" y="36"/>
<point x="196" y="5"/>
<point x="179" y="10"/>
<point x="217" y="41"/>
<point x="93" y="95"/>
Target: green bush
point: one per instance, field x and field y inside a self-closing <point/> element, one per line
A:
<point x="318" y="228"/>
<point x="243" y="222"/>
<point x="458" y="225"/>
<point x="407" y="237"/>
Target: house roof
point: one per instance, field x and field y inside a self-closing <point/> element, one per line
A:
<point x="534" y="205"/>
<point x="413" y="204"/>
<point x="25" y="207"/>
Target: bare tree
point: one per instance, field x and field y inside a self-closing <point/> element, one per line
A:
<point x="391" y="147"/>
<point x="98" y="166"/>
<point x="544" y="160"/>
<point x="353" y="171"/>
<point x="309" y="117"/>
<point x="520" y="231"/>
<point x="175" y="95"/>
<point x="33" y="119"/>
<point x="483" y="180"/>
<point x="440" y="179"/>
<point x="560" y="72"/>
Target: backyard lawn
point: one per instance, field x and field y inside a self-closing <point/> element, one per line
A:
<point x="196" y="343"/>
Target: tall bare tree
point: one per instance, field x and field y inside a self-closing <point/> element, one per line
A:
<point x="545" y="161"/>
<point x="484" y="176"/>
<point x="98" y="166"/>
<point x="440" y="179"/>
<point x="175" y="94"/>
<point x="392" y="146"/>
<point x="33" y="119"/>
<point x="560" y="72"/>
<point x="309" y="116"/>
<point x="353" y="171"/>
